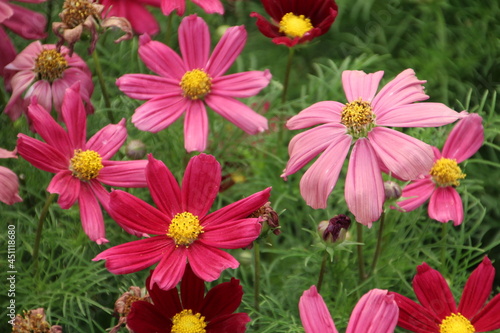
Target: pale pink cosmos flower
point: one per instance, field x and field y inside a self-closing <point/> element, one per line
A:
<point x="186" y="84"/>
<point x="184" y="230"/>
<point x="41" y="71"/>
<point x="135" y="12"/>
<point x="81" y="166"/>
<point x="440" y="181"/>
<point x="209" y="6"/>
<point x="9" y="184"/>
<point x="375" y="312"/>
<point x="361" y="122"/>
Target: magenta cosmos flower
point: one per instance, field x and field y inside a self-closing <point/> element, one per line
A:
<point x="9" y="184"/>
<point x="440" y="181"/>
<point x="192" y="310"/>
<point x="41" y="71"/>
<point x="21" y="21"/>
<point x="185" y="231"/>
<point x="375" y="312"/>
<point x="437" y="311"/>
<point x="296" y="22"/>
<point x="186" y="85"/>
<point x="80" y="166"/>
<point x="361" y="121"/>
<point x="209" y="6"/>
<point x="135" y="12"/>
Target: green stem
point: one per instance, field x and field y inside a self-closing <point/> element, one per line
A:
<point x="256" y="286"/>
<point x="41" y="220"/>
<point x="100" y="77"/>
<point x="444" y="233"/>
<point x="287" y="74"/>
<point x="378" y="248"/>
<point x="50" y="5"/>
<point x="361" y="261"/>
<point x="322" y="271"/>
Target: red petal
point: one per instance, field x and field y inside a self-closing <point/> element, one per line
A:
<point x="477" y="289"/>
<point x="222" y="299"/>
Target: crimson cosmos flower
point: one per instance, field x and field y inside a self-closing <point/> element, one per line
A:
<point x="192" y="310"/>
<point x="437" y="311"/>
<point x="184" y="230"/>
<point x="80" y="166"/>
<point x="296" y="21"/>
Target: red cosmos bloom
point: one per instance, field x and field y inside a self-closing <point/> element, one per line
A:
<point x="134" y="11"/>
<point x="192" y="310"/>
<point x="185" y="231"/>
<point x="296" y="21"/>
<point x="80" y="166"/>
<point x="437" y="311"/>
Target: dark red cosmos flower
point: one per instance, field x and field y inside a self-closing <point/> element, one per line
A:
<point x="296" y="21"/>
<point x="191" y="311"/>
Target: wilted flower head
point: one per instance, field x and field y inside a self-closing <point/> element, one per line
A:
<point x="34" y="321"/>
<point x="268" y="216"/>
<point x="124" y="303"/>
<point x="334" y="230"/>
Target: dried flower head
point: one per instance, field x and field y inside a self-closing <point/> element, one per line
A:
<point x="33" y="321"/>
<point x="269" y="216"/>
<point x="124" y="303"/>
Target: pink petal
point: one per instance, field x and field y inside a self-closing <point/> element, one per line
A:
<point x="41" y="155"/>
<point x="200" y="184"/>
<point x="195" y="127"/>
<point x="194" y="41"/>
<point x="19" y="82"/>
<point x="418" y="115"/>
<point x="465" y="138"/>
<point x="4" y="153"/>
<point x="314" y="314"/>
<point x="417" y="192"/>
<point x="67" y="186"/>
<point x="108" y="140"/>
<point x="6" y="11"/>
<point x="7" y="51"/>
<point x="403" y="155"/>
<point x="488" y="319"/>
<point x="137" y="255"/>
<point x="237" y="113"/>
<point x="160" y="58"/>
<point x="320" y="179"/>
<point x="124" y="173"/>
<point x="26" y="23"/>
<point x="208" y="262"/>
<point x="446" y="205"/>
<point x="26" y="59"/>
<point x="140" y="18"/>
<point x="75" y="118"/>
<point x="91" y="215"/>
<point x="226" y="51"/>
<point x="232" y="234"/>
<point x="43" y="92"/>
<point x="159" y="112"/>
<point x="168" y="6"/>
<point x="170" y="269"/>
<point x="375" y="312"/>
<point x="477" y="289"/>
<point x="145" y="86"/>
<point x="414" y="317"/>
<point x="241" y="85"/>
<point x="318" y="113"/>
<point x="359" y="85"/>
<point x="364" y="187"/>
<point x="210" y="6"/>
<point x="9" y="187"/>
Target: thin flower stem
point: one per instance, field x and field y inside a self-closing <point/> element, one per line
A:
<point x="378" y="248"/>
<point x="50" y="5"/>
<point x="41" y="220"/>
<point x="287" y="74"/>
<point x="322" y="271"/>
<point x="100" y="77"/>
<point x="256" y="285"/>
<point x="361" y="261"/>
<point x="444" y="233"/>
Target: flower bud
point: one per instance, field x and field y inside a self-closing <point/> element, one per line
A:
<point x="392" y="190"/>
<point x="335" y="230"/>
<point x="135" y="149"/>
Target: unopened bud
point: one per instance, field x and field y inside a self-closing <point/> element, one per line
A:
<point x="392" y="190"/>
<point x="135" y="149"/>
<point x="335" y="230"/>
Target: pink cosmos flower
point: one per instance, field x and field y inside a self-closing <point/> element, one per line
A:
<point x="135" y="12"/>
<point x="21" y="21"/>
<point x="362" y="120"/>
<point x="9" y="184"/>
<point x="209" y="6"/>
<point x="184" y="230"/>
<point x="437" y="311"/>
<point x="41" y="71"/>
<point x="80" y="166"/>
<point x="440" y="181"/>
<point x="375" y="312"/>
<point x="186" y="85"/>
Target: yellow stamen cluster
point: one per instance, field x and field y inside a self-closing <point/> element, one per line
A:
<point x="86" y="164"/>
<point x="77" y="11"/>
<point x="184" y="229"/>
<point x="446" y="172"/>
<point x="295" y="25"/>
<point x="196" y="84"/>
<point x="187" y="322"/>
<point x="50" y="65"/>
<point x="358" y="117"/>
<point x="456" y="323"/>
<point x="30" y="322"/>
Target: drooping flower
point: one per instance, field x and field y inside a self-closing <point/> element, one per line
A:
<point x="437" y="311"/>
<point x="34" y="321"/>
<point x="375" y="312"/>
<point x="186" y="85"/>
<point x="80" y="166"/>
<point x="209" y="6"/>
<point x="362" y="120"/>
<point x="9" y="184"/>
<point x="190" y="310"/>
<point x="41" y="71"/>
<point x="184" y="230"/>
<point x="134" y="11"/>
<point x="296" y="22"/>
<point x="440" y="181"/>
<point x="123" y="305"/>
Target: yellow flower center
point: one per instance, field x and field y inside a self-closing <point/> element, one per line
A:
<point x="86" y="164"/>
<point x="456" y="323"/>
<point x="446" y="172"/>
<point x="196" y="84"/>
<point x="187" y="322"/>
<point x="184" y="228"/>
<point x="50" y="65"/>
<point x="295" y="26"/>
<point x="358" y="117"/>
<point x="76" y="12"/>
